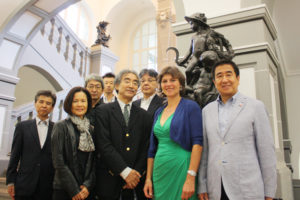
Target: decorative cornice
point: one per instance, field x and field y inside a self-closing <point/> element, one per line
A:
<point x="257" y="48"/>
<point x="241" y="16"/>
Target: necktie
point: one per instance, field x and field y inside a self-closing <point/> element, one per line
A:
<point x="126" y="114"/>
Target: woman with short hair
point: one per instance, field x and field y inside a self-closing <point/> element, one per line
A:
<point x="72" y="149"/>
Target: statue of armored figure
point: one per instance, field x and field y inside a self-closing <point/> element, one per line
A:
<point x="102" y="37"/>
<point x="206" y="48"/>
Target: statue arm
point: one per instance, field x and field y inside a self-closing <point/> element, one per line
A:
<point x="185" y="58"/>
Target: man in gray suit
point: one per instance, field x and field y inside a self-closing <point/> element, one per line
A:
<point x="238" y="159"/>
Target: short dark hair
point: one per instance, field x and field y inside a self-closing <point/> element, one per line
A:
<point x="109" y="75"/>
<point x="150" y="72"/>
<point x="70" y="96"/>
<point x="224" y="62"/>
<point x="94" y="77"/>
<point x="47" y="93"/>
<point x="175" y="73"/>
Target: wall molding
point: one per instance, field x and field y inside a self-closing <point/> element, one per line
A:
<point x="244" y="15"/>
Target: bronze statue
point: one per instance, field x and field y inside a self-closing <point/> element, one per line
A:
<point x="207" y="47"/>
<point x="102" y="38"/>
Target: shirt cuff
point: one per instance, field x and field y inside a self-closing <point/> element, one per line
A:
<point x="125" y="172"/>
<point x="9" y="184"/>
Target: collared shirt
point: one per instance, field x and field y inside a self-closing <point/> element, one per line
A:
<point x="225" y="111"/>
<point x="105" y="100"/>
<point x="42" y="127"/>
<point x="127" y="170"/>
<point x="122" y="105"/>
<point x="145" y="103"/>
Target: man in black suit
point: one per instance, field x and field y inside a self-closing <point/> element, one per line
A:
<point x="31" y="147"/>
<point x="122" y="137"/>
<point x="150" y="101"/>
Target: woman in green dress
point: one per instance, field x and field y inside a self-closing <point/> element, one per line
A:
<point x="175" y="144"/>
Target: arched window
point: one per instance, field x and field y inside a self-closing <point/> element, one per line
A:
<point x="76" y="17"/>
<point x="144" y="49"/>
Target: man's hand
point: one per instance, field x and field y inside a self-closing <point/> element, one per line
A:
<point x="203" y="196"/>
<point x="11" y="191"/>
<point x="132" y="179"/>
<point x="78" y="197"/>
<point x="268" y="198"/>
<point x="84" y="192"/>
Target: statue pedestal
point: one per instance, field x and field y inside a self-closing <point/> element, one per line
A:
<point x="103" y="60"/>
<point x="260" y="74"/>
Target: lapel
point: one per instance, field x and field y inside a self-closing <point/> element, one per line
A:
<point x="153" y="103"/>
<point x="118" y="115"/>
<point x="214" y="113"/>
<point x="138" y="102"/>
<point x="133" y="116"/>
<point x="34" y="132"/>
<point x="237" y="107"/>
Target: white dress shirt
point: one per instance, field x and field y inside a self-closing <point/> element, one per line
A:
<point x="145" y="103"/>
<point x="42" y="127"/>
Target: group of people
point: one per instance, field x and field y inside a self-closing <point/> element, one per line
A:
<point x="162" y="146"/>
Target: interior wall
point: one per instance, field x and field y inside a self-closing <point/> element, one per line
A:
<point x="288" y="40"/>
<point x="28" y="86"/>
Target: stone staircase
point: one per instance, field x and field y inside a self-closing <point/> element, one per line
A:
<point x="3" y="189"/>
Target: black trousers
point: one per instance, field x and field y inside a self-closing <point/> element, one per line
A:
<point x="223" y="193"/>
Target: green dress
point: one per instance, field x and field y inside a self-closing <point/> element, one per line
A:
<point x="171" y="163"/>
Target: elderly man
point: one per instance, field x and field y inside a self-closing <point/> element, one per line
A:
<point x="238" y="159"/>
<point x="94" y="84"/>
<point x="150" y="101"/>
<point x="31" y="150"/>
<point x="122" y="138"/>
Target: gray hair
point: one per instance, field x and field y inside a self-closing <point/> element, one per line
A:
<point x="150" y="72"/>
<point x="95" y="77"/>
<point x="122" y="73"/>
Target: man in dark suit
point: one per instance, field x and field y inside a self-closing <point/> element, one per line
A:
<point x="31" y="147"/>
<point x="122" y="137"/>
<point x="150" y="101"/>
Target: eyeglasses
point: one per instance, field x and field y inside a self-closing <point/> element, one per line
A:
<point x="149" y="81"/>
<point x="94" y="86"/>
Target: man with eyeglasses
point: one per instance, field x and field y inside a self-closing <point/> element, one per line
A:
<point x="150" y="101"/>
<point x="122" y="132"/>
<point x="94" y="84"/>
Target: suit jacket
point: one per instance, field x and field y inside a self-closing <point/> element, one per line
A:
<point x="244" y="158"/>
<point x="154" y="105"/>
<point x="119" y="146"/>
<point x="36" y="167"/>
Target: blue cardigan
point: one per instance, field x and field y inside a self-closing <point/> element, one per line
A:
<point x="186" y="126"/>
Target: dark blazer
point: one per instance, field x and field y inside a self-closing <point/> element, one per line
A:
<point x="36" y="169"/>
<point x="65" y="160"/>
<point x="120" y="147"/>
<point x="154" y="105"/>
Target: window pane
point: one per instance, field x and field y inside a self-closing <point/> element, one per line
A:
<point x="152" y="26"/>
<point x="72" y="17"/>
<point x="135" y="59"/>
<point x="145" y="29"/>
<point x="144" y="58"/>
<point x="136" y="44"/>
<point x="145" y="42"/>
<point x="152" y="57"/>
<point x="152" y="41"/>
<point x="83" y="31"/>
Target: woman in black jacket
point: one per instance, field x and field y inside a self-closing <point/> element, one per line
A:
<point x="72" y="149"/>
